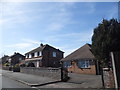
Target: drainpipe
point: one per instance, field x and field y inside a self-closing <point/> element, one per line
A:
<point x="114" y="69"/>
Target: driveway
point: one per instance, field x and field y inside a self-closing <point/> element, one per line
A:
<point x="92" y="81"/>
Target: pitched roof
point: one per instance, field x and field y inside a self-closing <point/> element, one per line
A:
<point x="16" y="54"/>
<point x="82" y="53"/>
<point x="40" y="48"/>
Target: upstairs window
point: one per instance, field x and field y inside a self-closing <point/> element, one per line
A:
<point x="26" y="56"/>
<point x="84" y="64"/>
<point x="40" y="53"/>
<point x="20" y="59"/>
<point x="30" y="56"/>
<point x="36" y="54"/>
<point x="54" y="54"/>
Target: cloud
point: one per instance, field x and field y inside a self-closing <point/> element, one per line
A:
<point x="14" y="14"/>
<point x="19" y="45"/>
<point x="60" y="17"/>
<point x="31" y="41"/>
<point x="83" y="36"/>
<point x="26" y="43"/>
<point x="113" y="12"/>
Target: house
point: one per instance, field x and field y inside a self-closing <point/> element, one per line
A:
<point x="4" y="59"/>
<point x="44" y="56"/>
<point x="81" y="61"/>
<point x="16" y="58"/>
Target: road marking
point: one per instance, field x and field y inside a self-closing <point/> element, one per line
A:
<point x="35" y="88"/>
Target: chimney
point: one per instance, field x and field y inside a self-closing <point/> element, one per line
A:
<point x="41" y="45"/>
<point x="14" y="53"/>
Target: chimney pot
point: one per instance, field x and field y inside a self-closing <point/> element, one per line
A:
<point x="41" y="45"/>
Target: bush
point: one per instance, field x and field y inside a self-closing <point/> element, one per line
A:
<point x="6" y="64"/>
<point x="22" y="65"/>
<point x="16" y="68"/>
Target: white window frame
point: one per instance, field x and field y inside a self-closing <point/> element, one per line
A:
<point x="54" y="54"/>
<point x="35" y="54"/>
<point x="85" y="64"/>
<point x="26" y="56"/>
<point x="40" y="53"/>
<point x="30" y="56"/>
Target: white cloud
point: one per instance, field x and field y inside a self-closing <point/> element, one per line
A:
<point x="55" y="27"/>
<point x="113" y="12"/>
<point x="31" y="41"/>
<point x="26" y="43"/>
<point x="82" y="35"/>
<point x="60" y="17"/>
<point x="19" y="45"/>
<point x="14" y="14"/>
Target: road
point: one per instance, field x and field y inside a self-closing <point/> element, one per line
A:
<point x="9" y="83"/>
<point x="6" y="82"/>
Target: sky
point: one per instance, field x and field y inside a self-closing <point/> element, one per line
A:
<point x="64" y="25"/>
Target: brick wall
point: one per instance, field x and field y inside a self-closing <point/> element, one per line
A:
<point x="54" y="73"/>
<point x="49" y="60"/>
<point x="108" y="78"/>
<point x="74" y="68"/>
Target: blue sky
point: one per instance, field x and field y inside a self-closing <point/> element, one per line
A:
<point x="64" y="25"/>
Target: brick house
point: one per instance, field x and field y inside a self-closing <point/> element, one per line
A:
<point x="81" y="61"/>
<point x="44" y="56"/>
<point x="4" y="59"/>
<point x="16" y="58"/>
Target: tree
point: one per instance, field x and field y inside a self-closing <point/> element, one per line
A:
<point x="106" y="38"/>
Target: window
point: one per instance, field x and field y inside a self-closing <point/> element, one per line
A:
<point x="26" y="56"/>
<point x="67" y="64"/>
<point x="36" y="54"/>
<point x="20" y="59"/>
<point x="30" y="56"/>
<point x="83" y="64"/>
<point x="54" y="54"/>
<point x="40" y="53"/>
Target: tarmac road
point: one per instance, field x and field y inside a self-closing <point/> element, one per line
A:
<point x="9" y="83"/>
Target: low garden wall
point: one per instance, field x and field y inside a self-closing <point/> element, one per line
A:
<point x="108" y="78"/>
<point x="54" y="73"/>
<point x="5" y="67"/>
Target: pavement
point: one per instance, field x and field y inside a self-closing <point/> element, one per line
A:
<point x="46" y="82"/>
<point x="31" y="80"/>
<point x="10" y="83"/>
<point x="78" y="81"/>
